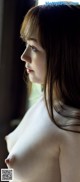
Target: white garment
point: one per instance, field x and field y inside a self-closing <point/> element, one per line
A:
<point x="36" y="145"/>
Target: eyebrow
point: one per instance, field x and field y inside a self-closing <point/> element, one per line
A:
<point x="32" y="39"/>
<point x="35" y="40"/>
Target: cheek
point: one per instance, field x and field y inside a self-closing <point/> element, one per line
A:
<point x="40" y="63"/>
<point x="41" y="69"/>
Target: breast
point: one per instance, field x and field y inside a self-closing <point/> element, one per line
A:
<point x="36" y="152"/>
<point x="36" y="161"/>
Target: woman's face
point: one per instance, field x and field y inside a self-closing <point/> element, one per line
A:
<point x="34" y="57"/>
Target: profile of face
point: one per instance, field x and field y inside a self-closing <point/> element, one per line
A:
<point x="34" y="57"/>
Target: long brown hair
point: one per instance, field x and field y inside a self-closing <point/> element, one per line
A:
<point x="58" y="26"/>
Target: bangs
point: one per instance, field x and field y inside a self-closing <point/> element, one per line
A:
<point x="29" y="25"/>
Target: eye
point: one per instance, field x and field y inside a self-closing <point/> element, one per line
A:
<point x="34" y="49"/>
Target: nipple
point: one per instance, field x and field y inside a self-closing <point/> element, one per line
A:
<point x="10" y="161"/>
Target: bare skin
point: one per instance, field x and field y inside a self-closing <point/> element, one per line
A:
<point x="52" y="154"/>
<point x="38" y="150"/>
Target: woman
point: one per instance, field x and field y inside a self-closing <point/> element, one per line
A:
<point x="45" y="147"/>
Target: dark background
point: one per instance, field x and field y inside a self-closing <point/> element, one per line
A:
<point x="13" y="91"/>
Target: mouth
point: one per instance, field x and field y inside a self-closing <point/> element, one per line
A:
<point x="29" y="70"/>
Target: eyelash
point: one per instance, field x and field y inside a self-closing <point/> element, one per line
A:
<point x="34" y="49"/>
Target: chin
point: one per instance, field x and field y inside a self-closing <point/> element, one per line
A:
<point x="35" y="80"/>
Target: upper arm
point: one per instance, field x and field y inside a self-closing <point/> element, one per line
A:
<point x="69" y="158"/>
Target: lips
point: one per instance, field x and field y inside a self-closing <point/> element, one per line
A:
<point x="29" y="70"/>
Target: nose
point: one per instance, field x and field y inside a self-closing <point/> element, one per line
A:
<point x="26" y="55"/>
